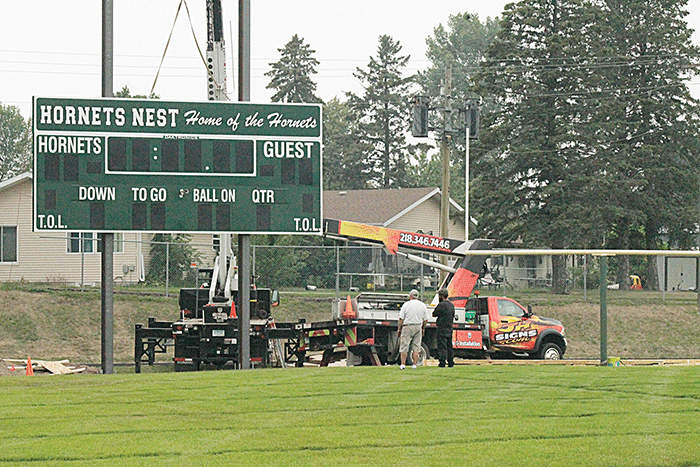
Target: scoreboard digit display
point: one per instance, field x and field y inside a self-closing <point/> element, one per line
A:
<point x="110" y="165"/>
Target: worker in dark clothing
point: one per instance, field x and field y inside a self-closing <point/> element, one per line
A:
<point x="445" y="314"/>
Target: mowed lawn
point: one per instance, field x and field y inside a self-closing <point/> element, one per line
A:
<point x="469" y="415"/>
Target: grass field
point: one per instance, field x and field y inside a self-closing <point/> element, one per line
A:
<point x="361" y="416"/>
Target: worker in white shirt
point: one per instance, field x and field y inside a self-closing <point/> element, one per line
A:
<point x="412" y="320"/>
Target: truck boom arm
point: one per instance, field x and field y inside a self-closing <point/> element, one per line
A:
<point x="392" y="239"/>
<point x="462" y="278"/>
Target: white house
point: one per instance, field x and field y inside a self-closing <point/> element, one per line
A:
<point x="56" y="256"/>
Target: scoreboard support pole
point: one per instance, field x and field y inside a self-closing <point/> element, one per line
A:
<point x="244" y="239"/>
<point x="107" y="255"/>
<point x="107" y="303"/>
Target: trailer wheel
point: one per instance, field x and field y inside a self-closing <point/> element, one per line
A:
<point x="550" y="351"/>
<point x="423" y="355"/>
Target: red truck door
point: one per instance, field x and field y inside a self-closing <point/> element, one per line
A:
<point x="510" y="326"/>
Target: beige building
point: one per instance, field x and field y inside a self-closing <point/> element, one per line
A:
<point x="410" y="209"/>
<point x="61" y="256"/>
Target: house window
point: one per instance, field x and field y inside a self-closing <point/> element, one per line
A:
<point x="118" y="243"/>
<point x="81" y="242"/>
<point x="216" y="242"/>
<point x="88" y="242"/>
<point x="8" y="244"/>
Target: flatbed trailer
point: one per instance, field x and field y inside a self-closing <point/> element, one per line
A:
<point x="205" y="333"/>
<point x="196" y="343"/>
<point x="152" y="339"/>
<point x="369" y="341"/>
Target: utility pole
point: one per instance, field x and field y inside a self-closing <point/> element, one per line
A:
<point x="216" y="91"/>
<point x="445" y="159"/>
<point x="445" y="155"/>
<point x="419" y="129"/>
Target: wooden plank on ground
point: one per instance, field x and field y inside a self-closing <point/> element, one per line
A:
<point x="56" y="368"/>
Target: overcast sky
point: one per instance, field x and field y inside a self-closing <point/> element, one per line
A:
<point x="52" y="48"/>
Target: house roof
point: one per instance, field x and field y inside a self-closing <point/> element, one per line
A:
<point x="10" y="182"/>
<point x="377" y="207"/>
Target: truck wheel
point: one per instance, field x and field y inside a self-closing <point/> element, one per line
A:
<point x="550" y="351"/>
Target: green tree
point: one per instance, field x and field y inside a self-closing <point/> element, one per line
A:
<point x="126" y="93"/>
<point x="172" y="255"/>
<point x="291" y="75"/>
<point x="594" y="139"/>
<point x="15" y="143"/>
<point x="647" y="122"/>
<point x="382" y="113"/>
<point x="534" y="181"/>
<point x="283" y="264"/>
<point x="462" y="45"/>
<point x="343" y="154"/>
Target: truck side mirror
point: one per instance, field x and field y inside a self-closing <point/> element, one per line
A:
<point x="529" y="312"/>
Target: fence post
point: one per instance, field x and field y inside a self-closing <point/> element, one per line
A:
<point x="337" y="271"/>
<point x="82" y="266"/>
<point x="585" y="274"/>
<point x="664" y="284"/>
<point x="167" y="268"/>
<point x="603" y="309"/>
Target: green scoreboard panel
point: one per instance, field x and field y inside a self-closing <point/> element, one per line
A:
<point x="110" y="165"/>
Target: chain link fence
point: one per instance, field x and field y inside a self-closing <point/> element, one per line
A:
<point x="163" y="263"/>
<point x="170" y="262"/>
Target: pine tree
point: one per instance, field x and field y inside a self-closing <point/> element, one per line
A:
<point x="291" y="75"/>
<point x="648" y="121"/>
<point x="595" y="140"/>
<point x="382" y="112"/>
<point x="533" y="184"/>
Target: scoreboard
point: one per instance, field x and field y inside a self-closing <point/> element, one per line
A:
<point x="110" y="165"/>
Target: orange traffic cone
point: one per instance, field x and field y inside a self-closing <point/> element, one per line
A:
<point x="233" y="311"/>
<point x="30" y="370"/>
<point x="349" y="312"/>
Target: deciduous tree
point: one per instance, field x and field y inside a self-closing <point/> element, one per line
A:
<point x="461" y="45"/>
<point x="343" y="153"/>
<point x="15" y="143"/>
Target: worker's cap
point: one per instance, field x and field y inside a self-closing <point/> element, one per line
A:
<point x="414" y="293"/>
<point x="443" y="293"/>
